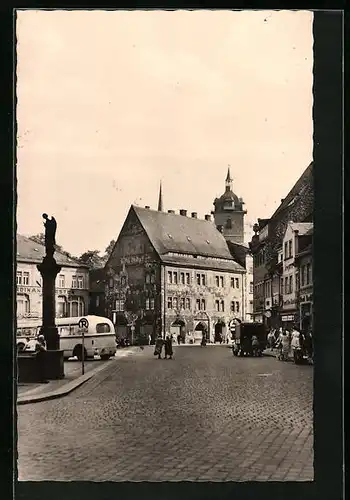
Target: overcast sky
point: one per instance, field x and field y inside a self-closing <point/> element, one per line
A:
<point x="110" y="102"/>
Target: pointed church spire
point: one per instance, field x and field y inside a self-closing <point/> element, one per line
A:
<point x="228" y="181"/>
<point x="160" y="198"/>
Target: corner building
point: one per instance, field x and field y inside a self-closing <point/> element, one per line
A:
<point x="172" y="273"/>
<point x="71" y="288"/>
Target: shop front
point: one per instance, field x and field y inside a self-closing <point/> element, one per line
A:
<point x="288" y="320"/>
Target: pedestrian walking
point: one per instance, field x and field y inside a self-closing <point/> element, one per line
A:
<point x="159" y="346"/>
<point x="284" y="345"/>
<point x="308" y="344"/>
<point x="204" y="340"/>
<point x="168" y="347"/>
<point x="179" y="339"/>
<point x="271" y="339"/>
<point x="255" y="345"/>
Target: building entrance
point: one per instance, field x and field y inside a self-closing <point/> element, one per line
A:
<point x="200" y="330"/>
<point x="177" y="329"/>
<point x="219" y="332"/>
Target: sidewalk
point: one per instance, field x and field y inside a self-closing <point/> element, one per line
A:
<point x="36" y="392"/>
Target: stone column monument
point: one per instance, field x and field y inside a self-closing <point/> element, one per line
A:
<point x="54" y="366"/>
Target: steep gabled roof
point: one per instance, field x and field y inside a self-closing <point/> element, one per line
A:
<point x="30" y="251"/>
<point x="180" y="234"/>
<point x="305" y="179"/>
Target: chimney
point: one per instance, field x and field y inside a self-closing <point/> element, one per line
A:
<point x="207" y="217"/>
<point x="220" y="228"/>
<point x="183" y="212"/>
<point x="171" y="211"/>
<point x="147" y="207"/>
<point x="194" y="215"/>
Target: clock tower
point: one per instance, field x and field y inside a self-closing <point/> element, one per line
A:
<point x="229" y="213"/>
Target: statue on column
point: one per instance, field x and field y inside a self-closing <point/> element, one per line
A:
<point x="50" y="234"/>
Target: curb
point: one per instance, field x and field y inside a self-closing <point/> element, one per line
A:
<point x="62" y="391"/>
<point x="66" y="388"/>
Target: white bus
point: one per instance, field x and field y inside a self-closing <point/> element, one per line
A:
<point x="99" y="336"/>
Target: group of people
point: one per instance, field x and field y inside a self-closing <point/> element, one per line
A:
<point x="286" y="340"/>
<point x="37" y="344"/>
<point x="167" y="343"/>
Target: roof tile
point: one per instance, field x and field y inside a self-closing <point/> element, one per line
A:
<point x="30" y="251"/>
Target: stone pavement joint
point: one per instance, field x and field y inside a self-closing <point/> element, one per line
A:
<point x="205" y="415"/>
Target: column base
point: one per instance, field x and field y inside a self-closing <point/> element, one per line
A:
<point x="53" y="364"/>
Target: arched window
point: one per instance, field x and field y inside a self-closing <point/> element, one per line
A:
<point x="61" y="307"/>
<point x="23" y="305"/>
<point x="77" y="307"/>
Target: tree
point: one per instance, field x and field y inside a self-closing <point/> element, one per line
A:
<point x="92" y="259"/>
<point x="40" y="239"/>
<point x="108" y="250"/>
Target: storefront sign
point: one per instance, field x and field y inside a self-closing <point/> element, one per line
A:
<point x="288" y="318"/>
<point x="28" y="289"/>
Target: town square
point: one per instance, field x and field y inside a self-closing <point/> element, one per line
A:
<point x="164" y="276"/>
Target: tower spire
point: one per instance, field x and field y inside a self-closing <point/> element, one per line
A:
<point x="228" y="181"/>
<point x="160" y="198"/>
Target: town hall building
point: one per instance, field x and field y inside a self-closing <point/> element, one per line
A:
<point x="173" y="273"/>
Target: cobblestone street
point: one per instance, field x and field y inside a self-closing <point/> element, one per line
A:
<point x="205" y="415"/>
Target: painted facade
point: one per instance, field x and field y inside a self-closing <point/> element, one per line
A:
<point x="172" y="273"/>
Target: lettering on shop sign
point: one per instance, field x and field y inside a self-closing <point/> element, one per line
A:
<point x="28" y="289"/>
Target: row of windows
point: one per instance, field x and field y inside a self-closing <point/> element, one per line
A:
<point x="77" y="281"/>
<point x="120" y="304"/>
<point x="185" y="303"/>
<point x="184" y="278"/>
<point x="22" y="278"/>
<point x="72" y="308"/>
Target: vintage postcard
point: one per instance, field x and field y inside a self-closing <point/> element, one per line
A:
<point x="164" y="291"/>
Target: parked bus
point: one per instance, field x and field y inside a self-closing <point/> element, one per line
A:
<point x="99" y="336"/>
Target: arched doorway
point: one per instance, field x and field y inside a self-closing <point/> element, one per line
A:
<point x="219" y="331"/>
<point x="200" y="330"/>
<point x="177" y="329"/>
